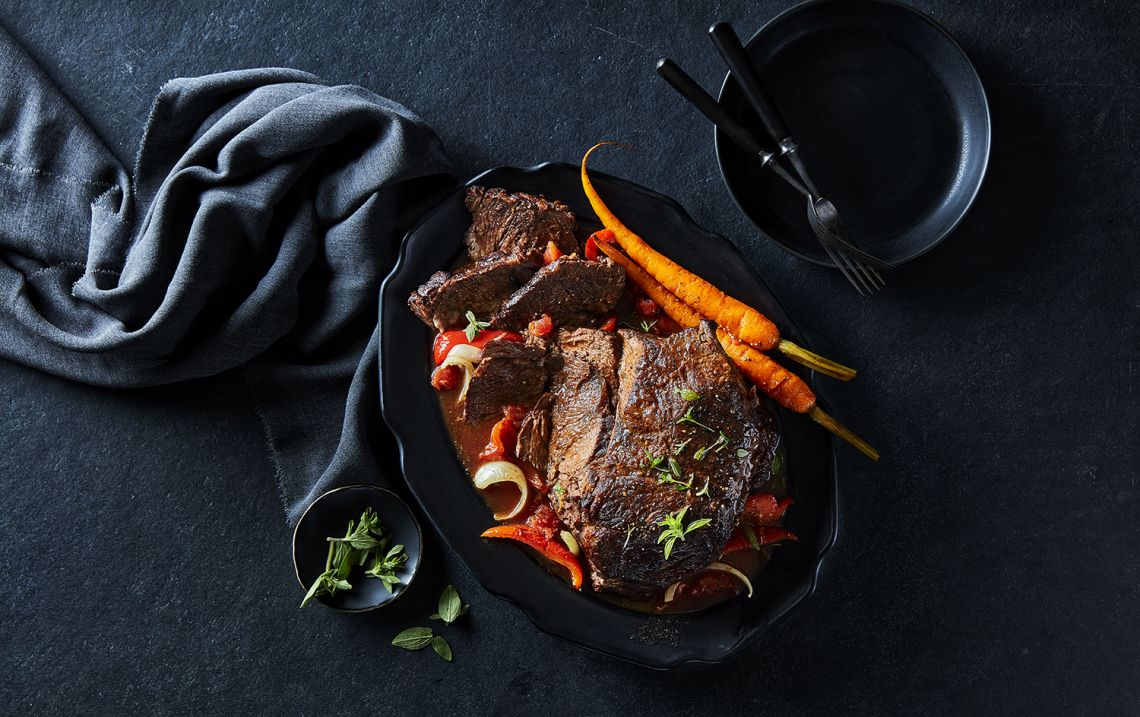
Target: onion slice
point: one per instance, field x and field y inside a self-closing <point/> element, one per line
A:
<point x="466" y="366"/>
<point x="726" y="568"/>
<point x="571" y="542"/>
<point x="503" y="472"/>
<point x="466" y="352"/>
<point x="670" y="592"/>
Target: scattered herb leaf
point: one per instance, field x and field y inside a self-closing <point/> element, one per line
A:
<point x="414" y="638"/>
<point x="704" y="491"/>
<point x="675" y="529"/>
<point x="778" y="460"/>
<point x="627" y="534"/>
<point x="441" y="647"/>
<point x="741" y="453"/>
<point x="451" y="607"/>
<point x="689" y="418"/>
<point x="474" y="326"/>
<point x="647" y="326"/>
<point x="679" y="447"/>
<point x="751" y="535"/>
<point x="687" y="394"/>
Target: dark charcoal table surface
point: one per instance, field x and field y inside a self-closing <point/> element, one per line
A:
<point x="989" y="563"/>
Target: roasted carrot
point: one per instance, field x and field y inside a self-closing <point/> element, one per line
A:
<point x="733" y="315"/>
<point x="777" y="382"/>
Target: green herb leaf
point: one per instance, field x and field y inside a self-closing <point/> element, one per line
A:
<point x="687" y="394"/>
<point x="474" y="326"/>
<point x="778" y="460"/>
<point x="450" y="605"/>
<point x="627" y="534"/>
<point x="674" y="467"/>
<point x="704" y="491"/>
<point x="384" y="567"/>
<point x="647" y="326"/>
<point x="414" y="638"/>
<point x="675" y="529"/>
<point x="690" y="419"/>
<point x="679" y="447"/>
<point x="741" y="453"/>
<point x="751" y="535"/>
<point x="441" y="647"/>
<point x="434" y="616"/>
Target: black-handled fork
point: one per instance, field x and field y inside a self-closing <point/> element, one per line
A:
<point x="859" y="267"/>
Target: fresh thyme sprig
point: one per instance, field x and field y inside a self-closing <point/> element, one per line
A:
<point x="675" y="529"/>
<point x="690" y="419"/>
<point x="715" y="447"/>
<point x="474" y="326"/>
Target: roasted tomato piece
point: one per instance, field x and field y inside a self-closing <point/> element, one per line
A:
<point x="541" y="326"/>
<point x="552" y="253"/>
<point x="504" y="437"/>
<point x="647" y="307"/>
<point x="609" y="324"/>
<point x="445" y="378"/>
<point x="448" y="339"/>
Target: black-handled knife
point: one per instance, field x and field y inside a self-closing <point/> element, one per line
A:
<point x="703" y="101"/>
<point x="728" y="44"/>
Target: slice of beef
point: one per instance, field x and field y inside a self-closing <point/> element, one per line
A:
<point x="517" y="223"/>
<point x="480" y="287"/>
<point x="572" y="291"/>
<point x="510" y="374"/>
<point x="534" y="435"/>
<point x="583" y="389"/>
<point x="614" y="499"/>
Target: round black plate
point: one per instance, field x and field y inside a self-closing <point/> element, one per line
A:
<point x="328" y="516"/>
<point x="438" y="481"/>
<point x="890" y="117"/>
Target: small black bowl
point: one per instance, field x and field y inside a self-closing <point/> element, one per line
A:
<point x="328" y="516"/>
<point x="890" y="117"/>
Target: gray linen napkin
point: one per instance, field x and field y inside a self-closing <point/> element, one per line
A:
<point x="263" y="209"/>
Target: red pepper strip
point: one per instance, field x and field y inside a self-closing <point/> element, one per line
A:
<point x="604" y="236"/>
<point x="446" y="340"/>
<point x="591" y="249"/>
<point x="550" y="549"/>
<point x="504" y="437"/>
<point x="764" y="509"/>
<point x="610" y="324"/>
<point x="765" y="535"/>
<point x="552" y="253"/>
<point x="541" y="326"/>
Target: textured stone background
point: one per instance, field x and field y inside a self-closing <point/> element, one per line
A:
<point x="988" y="563"/>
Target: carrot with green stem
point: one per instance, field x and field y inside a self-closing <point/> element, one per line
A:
<point x="733" y="315"/>
<point x="783" y="386"/>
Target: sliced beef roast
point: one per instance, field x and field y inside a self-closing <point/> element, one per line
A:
<point x="533" y="442"/>
<point x="618" y="422"/>
<point x="517" y="223"/>
<point x="480" y="287"/>
<point x="572" y="291"/>
<point x="510" y="374"/>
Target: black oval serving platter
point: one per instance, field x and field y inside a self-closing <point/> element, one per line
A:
<point x="890" y="117"/>
<point x="438" y="481"/>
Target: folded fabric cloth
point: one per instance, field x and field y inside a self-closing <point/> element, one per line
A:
<point x="263" y="209"/>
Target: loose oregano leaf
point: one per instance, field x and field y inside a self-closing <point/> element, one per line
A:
<point x="450" y="605"/>
<point x="441" y="647"/>
<point x="414" y="638"/>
